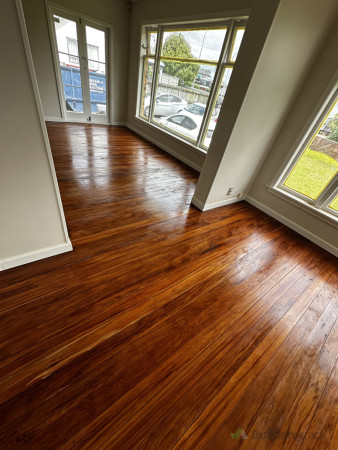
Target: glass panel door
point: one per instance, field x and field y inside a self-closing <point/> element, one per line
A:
<point x="81" y="48"/>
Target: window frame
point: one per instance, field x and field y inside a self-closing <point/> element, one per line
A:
<point x="232" y="25"/>
<point x="319" y="206"/>
<point x="326" y="205"/>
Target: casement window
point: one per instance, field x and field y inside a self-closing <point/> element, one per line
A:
<point x="93" y="56"/>
<point x="73" y="50"/>
<point x="185" y="74"/>
<point x="311" y="175"/>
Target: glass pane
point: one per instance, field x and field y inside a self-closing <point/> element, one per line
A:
<point x="96" y="52"/>
<point x="73" y="50"/>
<point x="148" y="71"/>
<point x="66" y="38"/>
<point x="194" y="44"/>
<point x="175" y="96"/>
<point x="319" y="162"/>
<point x="236" y="43"/>
<point x="334" y="204"/>
<point x="71" y="80"/>
<point x="152" y="40"/>
<point x="217" y="106"/>
<point x="68" y="61"/>
<point x="97" y="87"/>
<point x="96" y="44"/>
<point x="94" y="66"/>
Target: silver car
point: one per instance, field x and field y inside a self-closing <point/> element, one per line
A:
<point x="165" y="104"/>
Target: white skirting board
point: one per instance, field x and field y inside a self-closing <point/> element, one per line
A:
<point x="26" y="258"/>
<point x="60" y="119"/>
<point x="195" y="201"/>
<point x="54" y="119"/>
<point x="165" y="148"/>
<point x="294" y="226"/>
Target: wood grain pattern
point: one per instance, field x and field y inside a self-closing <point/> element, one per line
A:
<point x="165" y="327"/>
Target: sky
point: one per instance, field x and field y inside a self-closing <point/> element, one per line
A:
<point x="204" y="44"/>
<point x="207" y="44"/>
<point x="333" y="111"/>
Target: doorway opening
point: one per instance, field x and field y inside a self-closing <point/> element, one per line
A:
<point x="81" y="55"/>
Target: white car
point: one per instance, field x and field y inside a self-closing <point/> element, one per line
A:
<point x="188" y="124"/>
<point x="165" y="104"/>
<point x="199" y="109"/>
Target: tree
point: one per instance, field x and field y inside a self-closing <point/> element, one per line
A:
<point x="333" y="125"/>
<point x="176" y="46"/>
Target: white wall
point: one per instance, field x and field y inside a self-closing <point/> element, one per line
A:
<point x="31" y="216"/>
<point x="322" y="75"/>
<point x="152" y="11"/>
<point x="113" y="12"/>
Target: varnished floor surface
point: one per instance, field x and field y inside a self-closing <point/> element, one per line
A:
<point x="165" y="327"/>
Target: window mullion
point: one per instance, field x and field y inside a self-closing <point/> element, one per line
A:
<point x="215" y="85"/>
<point x="329" y="200"/>
<point x="190" y="60"/>
<point x="327" y="192"/>
<point x="198" y="25"/>
<point x="157" y="61"/>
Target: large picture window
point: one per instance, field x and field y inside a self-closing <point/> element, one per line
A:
<point x="312" y="174"/>
<point x="186" y="72"/>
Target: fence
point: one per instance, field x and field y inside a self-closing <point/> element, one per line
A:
<point x="190" y="95"/>
<point x="324" y="145"/>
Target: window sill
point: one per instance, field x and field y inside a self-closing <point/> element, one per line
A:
<point x="172" y="135"/>
<point x="302" y="204"/>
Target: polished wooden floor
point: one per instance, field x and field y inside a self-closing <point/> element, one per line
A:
<point x="165" y="327"/>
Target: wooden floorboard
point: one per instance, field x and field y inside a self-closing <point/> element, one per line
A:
<point x="165" y="327"/>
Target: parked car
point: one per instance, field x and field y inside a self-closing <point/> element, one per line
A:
<point x="165" y="104"/>
<point x="199" y="109"/>
<point x="188" y="124"/>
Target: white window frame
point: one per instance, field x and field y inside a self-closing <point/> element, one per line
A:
<point x="232" y="24"/>
<point x="320" y="206"/>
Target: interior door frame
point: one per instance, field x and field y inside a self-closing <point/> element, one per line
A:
<point x="55" y="8"/>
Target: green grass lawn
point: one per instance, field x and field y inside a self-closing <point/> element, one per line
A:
<point x="312" y="173"/>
